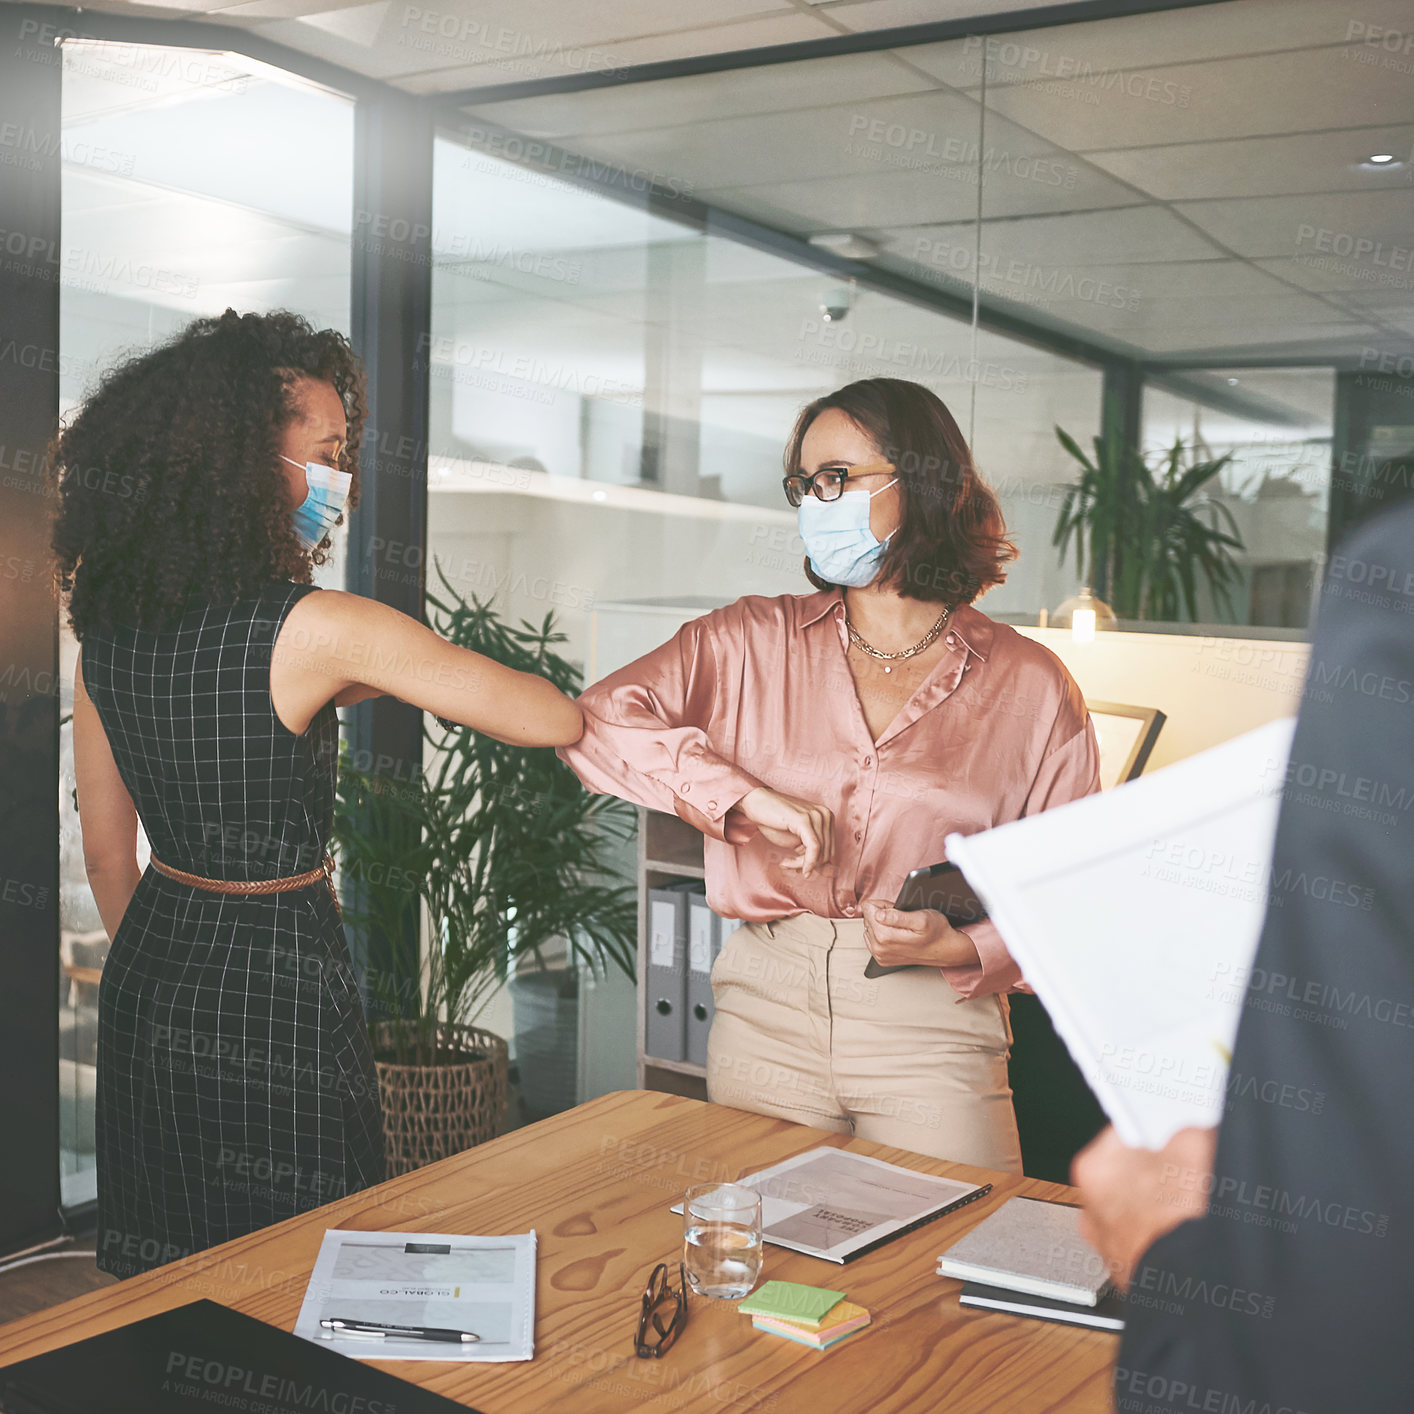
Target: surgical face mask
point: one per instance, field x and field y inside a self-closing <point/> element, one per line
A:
<point x="837" y="537"/>
<point x="316" y="514"/>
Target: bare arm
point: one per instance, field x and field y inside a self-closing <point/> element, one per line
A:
<point x="343" y="647"/>
<point x="106" y="814"/>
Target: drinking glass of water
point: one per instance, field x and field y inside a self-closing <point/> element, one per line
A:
<point x="722" y="1239"/>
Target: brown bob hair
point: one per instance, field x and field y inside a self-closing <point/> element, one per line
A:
<point x="951" y="543"/>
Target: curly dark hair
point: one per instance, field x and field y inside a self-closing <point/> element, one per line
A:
<point x="951" y="543"/>
<point x="168" y="481"/>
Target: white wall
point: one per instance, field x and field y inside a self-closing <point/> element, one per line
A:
<point x="1210" y="689"/>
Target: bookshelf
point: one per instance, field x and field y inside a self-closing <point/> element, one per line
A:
<point x="669" y="851"/>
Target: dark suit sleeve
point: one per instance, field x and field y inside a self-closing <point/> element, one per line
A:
<point x="1296" y="1291"/>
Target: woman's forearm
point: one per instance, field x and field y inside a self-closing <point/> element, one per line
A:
<point x="112" y="890"/>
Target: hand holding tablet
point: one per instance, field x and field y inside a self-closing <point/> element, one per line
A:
<point x="942" y="888"/>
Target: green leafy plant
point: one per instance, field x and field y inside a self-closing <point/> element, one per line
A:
<point x="1146" y="531"/>
<point x="501" y="844"/>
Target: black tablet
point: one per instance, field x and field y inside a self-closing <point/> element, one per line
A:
<point x="938" y="886"/>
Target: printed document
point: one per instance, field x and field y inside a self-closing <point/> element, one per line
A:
<point x="481" y="1285"/>
<point x="1134" y="915"/>
<point x="835" y="1204"/>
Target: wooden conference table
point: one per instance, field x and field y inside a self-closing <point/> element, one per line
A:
<point x="596" y="1183"/>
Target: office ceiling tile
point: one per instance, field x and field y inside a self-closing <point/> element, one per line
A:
<point x="801" y="144"/>
<point x="1267" y="166"/>
<point x="787" y="27"/>
<point x="1321" y="275"/>
<point x="1330" y="231"/>
<point x="1383" y="301"/>
<point x="1135" y="235"/>
<point x="311" y="10"/>
<point x="506" y="25"/>
<point x="697" y="98"/>
<point x="862" y="15"/>
<point x="1218" y="345"/>
<point x="360" y="24"/>
<point x="876" y="201"/>
<point x="1126" y="288"/>
<point x="1269" y="94"/>
<point x="1156" y="38"/>
<point x="166" y="9"/>
<point x="370" y="44"/>
<point x="784" y="26"/>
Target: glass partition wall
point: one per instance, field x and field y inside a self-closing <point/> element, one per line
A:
<point x="648" y="358"/>
<point x="1153" y="199"/>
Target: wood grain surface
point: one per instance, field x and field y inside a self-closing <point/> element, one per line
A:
<point x="596" y="1183"/>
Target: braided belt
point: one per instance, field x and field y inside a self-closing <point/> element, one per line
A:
<point x="323" y="871"/>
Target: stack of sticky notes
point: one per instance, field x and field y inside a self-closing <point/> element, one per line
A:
<point x="811" y="1315"/>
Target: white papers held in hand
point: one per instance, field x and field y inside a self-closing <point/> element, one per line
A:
<point x="1135" y="914"/>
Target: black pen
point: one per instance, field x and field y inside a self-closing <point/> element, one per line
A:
<point x="378" y="1328"/>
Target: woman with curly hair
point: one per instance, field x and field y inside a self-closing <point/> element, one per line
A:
<point x="825" y="744"/>
<point x="196" y="490"/>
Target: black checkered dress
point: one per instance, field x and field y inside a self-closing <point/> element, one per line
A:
<point x="235" y="1078"/>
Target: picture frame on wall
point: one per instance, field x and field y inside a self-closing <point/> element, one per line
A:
<point x="1126" y="735"/>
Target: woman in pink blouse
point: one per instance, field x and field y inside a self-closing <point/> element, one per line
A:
<point x="825" y="744"/>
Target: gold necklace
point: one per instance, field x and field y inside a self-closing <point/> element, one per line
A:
<point x="890" y="658"/>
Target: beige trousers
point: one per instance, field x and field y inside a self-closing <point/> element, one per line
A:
<point x="802" y="1034"/>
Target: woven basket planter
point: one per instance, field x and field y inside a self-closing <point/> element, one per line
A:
<point x="433" y="1111"/>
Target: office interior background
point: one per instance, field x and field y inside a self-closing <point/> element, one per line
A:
<point x="596" y="258"/>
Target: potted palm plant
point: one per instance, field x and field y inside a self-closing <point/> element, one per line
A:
<point x="507" y="854"/>
<point x="1148" y="531"/>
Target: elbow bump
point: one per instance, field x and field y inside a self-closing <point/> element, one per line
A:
<point x="574" y="726"/>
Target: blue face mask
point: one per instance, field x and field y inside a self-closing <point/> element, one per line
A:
<point x="837" y="537"/>
<point x="316" y="514"/>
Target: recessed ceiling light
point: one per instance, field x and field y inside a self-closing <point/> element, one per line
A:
<point x="1232" y="382"/>
<point x="1382" y="157"/>
<point x="599" y="496"/>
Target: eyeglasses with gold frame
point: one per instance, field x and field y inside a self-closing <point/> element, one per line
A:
<point x="656" y="1296"/>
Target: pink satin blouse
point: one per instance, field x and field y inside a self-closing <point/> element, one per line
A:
<point x="760" y="693"/>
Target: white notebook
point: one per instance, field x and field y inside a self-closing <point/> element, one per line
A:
<point x="1135" y="914"/>
<point x="1031" y="1246"/>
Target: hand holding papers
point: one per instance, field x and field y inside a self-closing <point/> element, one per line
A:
<point x="1135" y="916"/>
<point x="422" y="1296"/>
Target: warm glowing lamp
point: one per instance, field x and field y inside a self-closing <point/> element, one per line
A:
<point x="1084" y="615"/>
